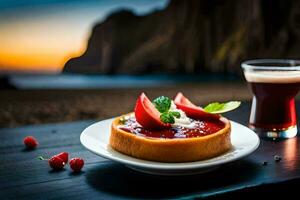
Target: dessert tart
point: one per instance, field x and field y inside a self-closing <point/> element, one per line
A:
<point x="170" y="131"/>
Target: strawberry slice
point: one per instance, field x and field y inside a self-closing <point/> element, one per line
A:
<point x="64" y="156"/>
<point x="56" y="163"/>
<point x="147" y="115"/>
<point x="191" y="110"/>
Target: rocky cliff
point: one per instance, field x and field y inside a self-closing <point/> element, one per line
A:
<point x="192" y="36"/>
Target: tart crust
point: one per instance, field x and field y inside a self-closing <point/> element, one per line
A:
<point x="171" y="150"/>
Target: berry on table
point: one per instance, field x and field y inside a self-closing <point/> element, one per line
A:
<point x="76" y="164"/>
<point x="64" y="156"/>
<point x="30" y="142"/>
<point x="58" y="161"/>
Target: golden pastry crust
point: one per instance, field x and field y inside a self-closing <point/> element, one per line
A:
<point x="170" y="150"/>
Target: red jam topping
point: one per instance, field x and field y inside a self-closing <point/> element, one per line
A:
<point x="202" y="128"/>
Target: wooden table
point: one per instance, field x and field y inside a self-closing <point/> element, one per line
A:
<point x="22" y="175"/>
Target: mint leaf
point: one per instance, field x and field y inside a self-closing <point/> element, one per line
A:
<point x="122" y="120"/>
<point x="175" y="114"/>
<point x="167" y="118"/>
<point x="162" y="103"/>
<point x="212" y="107"/>
<point x="217" y="108"/>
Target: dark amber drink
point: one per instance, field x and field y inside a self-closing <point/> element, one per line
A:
<point x="273" y="105"/>
<point x="274" y="88"/>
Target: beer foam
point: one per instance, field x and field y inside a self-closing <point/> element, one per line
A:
<point x="273" y="76"/>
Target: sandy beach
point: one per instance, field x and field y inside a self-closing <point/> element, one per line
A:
<point x="27" y="107"/>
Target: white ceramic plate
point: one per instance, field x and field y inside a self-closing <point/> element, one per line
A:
<point x="96" y="139"/>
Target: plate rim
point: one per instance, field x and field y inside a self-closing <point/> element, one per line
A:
<point x="165" y="165"/>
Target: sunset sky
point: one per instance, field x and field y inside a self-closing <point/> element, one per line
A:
<point x="38" y="35"/>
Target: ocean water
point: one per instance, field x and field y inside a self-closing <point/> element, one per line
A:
<point x="71" y="81"/>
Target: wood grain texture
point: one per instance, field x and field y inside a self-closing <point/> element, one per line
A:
<point x="22" y="176"/>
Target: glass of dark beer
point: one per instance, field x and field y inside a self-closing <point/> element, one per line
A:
<point x="274" y="83"/>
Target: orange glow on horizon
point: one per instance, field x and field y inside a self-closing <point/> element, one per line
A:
<point x="40" y="44"/>
<point x="35" y="52"/>
<point x="42" y="37"/>
<point x="34" y="62"/>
